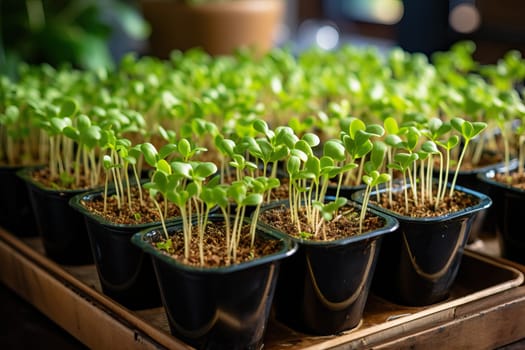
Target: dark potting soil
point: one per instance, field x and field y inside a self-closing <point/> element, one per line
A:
<point x="130" y="213"/>
<point x="342" y="226"/>
<point x="460" y="200"/>
<point x="43" y="176"/>
<point x="215" y="247"/>
<point x="514" y="179"/>
<point x="281" y="192"/>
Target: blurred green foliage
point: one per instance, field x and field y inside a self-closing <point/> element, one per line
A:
<point x="74" y="32"/>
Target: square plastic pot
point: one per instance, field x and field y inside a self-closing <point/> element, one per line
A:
<point x="420" y="260"/>
<point x="324" y="287"/>
<point x="220" y="307"/>
<point x="125" y="272"/>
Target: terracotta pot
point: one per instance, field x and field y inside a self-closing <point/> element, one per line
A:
<point x="218" y="28"/>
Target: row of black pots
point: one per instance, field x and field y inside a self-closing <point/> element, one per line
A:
<point x="323" y="287"/>
<point x="224" y="308"/>
<point x="228" y="307"/>
<point x="308" y="297"/>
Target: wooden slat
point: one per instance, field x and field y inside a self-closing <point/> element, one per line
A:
<point x="485" y="329"/>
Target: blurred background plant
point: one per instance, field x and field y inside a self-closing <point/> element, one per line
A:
<point x="87" y="34"/>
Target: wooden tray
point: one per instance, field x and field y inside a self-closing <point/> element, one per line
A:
<point x="486" y="309"/>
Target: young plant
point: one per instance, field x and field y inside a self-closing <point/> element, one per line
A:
<point x="335" y="162"/>
<point x="122" y="156"/>
<point x="303" y="168"/>
<point x="21" y="143"/>
<point x="434" y="130"/>
<point x="327" y="212"/>
<point x="356" y="139"/>
<point x="267" y="150"/>
<point x="226" y="149"/>
<point x="309" y="177"/>
<point x="412" y="149"/>
<point x="468" y="131"/>
<point x="159" y="182"/>
<point x="73" y="146"/>
<point x="447" y="144"/>
<point x="404" y="162"/>
<point x="373" y="177"/>
<point x="240" y="193"/>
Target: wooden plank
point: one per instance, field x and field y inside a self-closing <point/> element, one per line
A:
<point x="486" y="329"/>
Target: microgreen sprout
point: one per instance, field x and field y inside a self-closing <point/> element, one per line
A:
<point x="468" y="131"/>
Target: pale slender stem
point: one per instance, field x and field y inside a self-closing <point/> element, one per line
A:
<point x="411" y="180"/>
<point x="364" y="205"/>
<point x="440" y="182"/>
<point x="445" y="181"/>
<point x="164" y="229"/>
<point x="458" y="168"/>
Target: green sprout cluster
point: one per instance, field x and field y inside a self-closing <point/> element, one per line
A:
<point x="322" y="119"/>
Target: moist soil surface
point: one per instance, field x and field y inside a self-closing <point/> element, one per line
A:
<point x="281" y="192"/>
<point x="43" y="176"/>
<point x="342" y="226"/>
<point x="514" y="179"/>
<point x="459" y="201"/>
<point x="214" y="237"/>
<point x="130" y="214"/>
<point x="215" y="251"/>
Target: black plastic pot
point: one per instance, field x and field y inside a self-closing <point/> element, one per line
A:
<point x="125" y="272"/>
<point x="419" y="262"/>
<point x="509" y="203"/>
<point x="216" y="308"/>
<point x="61" y="228"/>
<point x="16" y="214"/>
<point x="323" y="288"/>
<point x="484" y="221"/>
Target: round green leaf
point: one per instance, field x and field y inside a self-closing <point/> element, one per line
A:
<point x="150" y="153"/>
<point x="334" y="149"/>
<point x="68" y="108"/>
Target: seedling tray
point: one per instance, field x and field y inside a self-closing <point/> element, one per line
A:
<point x="486" y="309"/>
